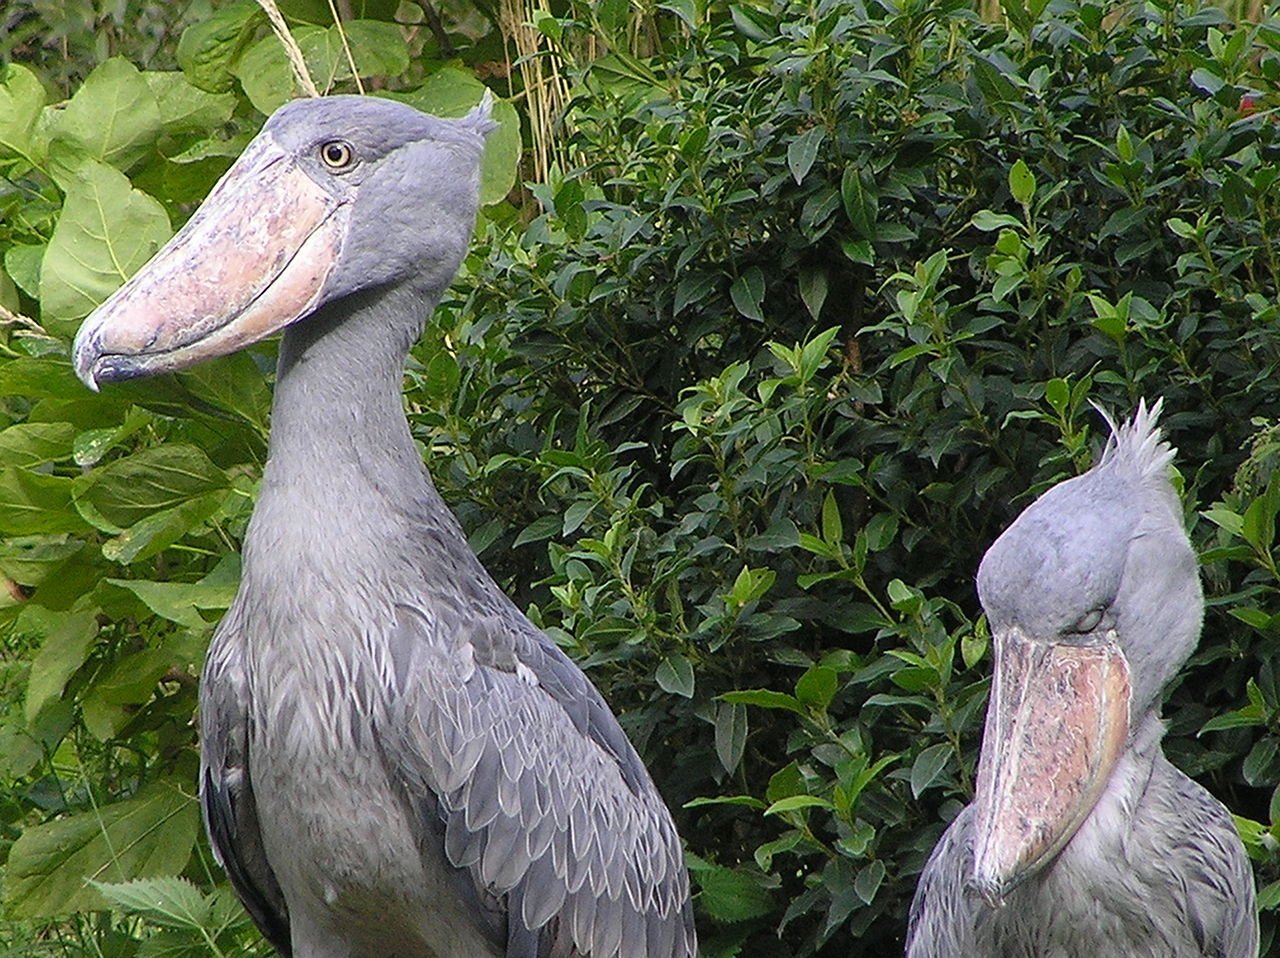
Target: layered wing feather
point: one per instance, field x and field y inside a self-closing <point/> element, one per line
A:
<point x="544" y="803"/>
<point x="226" y="792"/>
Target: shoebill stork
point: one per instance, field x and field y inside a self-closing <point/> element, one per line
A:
<point x="395" y="762"/>
<point x="1083" y="840"/>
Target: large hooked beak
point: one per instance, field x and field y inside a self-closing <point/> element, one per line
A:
<point x="1057" y="723"/>
<point x="252" y="259"/>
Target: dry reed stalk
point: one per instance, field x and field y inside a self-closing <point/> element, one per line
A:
<point x="291" y="48"/>
<point x="546" y="91"/>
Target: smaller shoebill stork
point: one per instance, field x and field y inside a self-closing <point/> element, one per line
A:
<point x="395" y="763"/>
<point x="1083" y="841"/>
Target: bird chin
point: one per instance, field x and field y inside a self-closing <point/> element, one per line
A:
<point x="251" y="260"/>
<point x="1057" y="723"/>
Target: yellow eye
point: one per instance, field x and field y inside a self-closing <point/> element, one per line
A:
<point x="336" y="154"/>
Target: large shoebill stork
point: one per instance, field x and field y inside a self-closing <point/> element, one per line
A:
<point x="395" y="762"/>
<point x="1083" y="840"/>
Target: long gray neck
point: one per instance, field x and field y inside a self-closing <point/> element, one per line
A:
<point x="337" y="414"/>
<point x="344" y="482"/>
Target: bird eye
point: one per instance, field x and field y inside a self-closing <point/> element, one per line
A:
<point x="1087" y="622"/>
<point x="336" y="154"/>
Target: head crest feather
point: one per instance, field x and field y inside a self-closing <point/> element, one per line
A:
<point x="1137" y="446"/>
<point x="479" y="118"/>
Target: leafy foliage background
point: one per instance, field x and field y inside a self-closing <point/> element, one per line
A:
<point x="811" y="303"/>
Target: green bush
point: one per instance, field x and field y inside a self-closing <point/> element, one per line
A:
<point x="733" y="407"/>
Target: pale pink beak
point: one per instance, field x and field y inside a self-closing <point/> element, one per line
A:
<point x="1057" y="724"/>
<point x="253" y="258"/>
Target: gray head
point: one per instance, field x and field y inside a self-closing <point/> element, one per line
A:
<point x="1094" y="601"/>
<point x="1105" y="552"/>
<point x="334" y="196"/>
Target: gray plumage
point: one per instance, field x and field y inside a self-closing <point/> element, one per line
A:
<point x="1155" y="869"/>
<point x="395" y="762"/>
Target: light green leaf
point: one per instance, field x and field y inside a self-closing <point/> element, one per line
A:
<point x="179" y="601"/>
<point x="803" y="151"/>
<point x="264" y="72"/>
<point x="35" y="503"/>
<point x="22" y="263"/>
<point x="129" y="490"/>
<point x="169" y="901"/>
<point x="796" y="803"/>
<point x="729" y="895"/>
<point x="378" y="48"/>
<point x="675" y="675"/>
<point x="68" y="639"/>
<point x="928" y="766"/>
<point x="113" y="117"/>
<point x="209" y="50"/>
<point x="185" y="107"/>
<point x="731" y="734"/>
<point x="764" y="698"/>
<point x="452" y="92"/>
<point x="1022" y="182"/>
<point x="49" y="866"/>
<point x="22" y="97"/>
<point x="30" y="444"/>
<point x="747" y="293"/>
<point x="817" y="687"/>
<point x="106" y="232"/>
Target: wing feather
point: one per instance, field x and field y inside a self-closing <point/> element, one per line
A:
<point x="545" y="802"/>
<point x="226" y="792"/>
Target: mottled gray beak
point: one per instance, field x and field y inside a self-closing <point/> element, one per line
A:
<point x="1057" y="724"/>
<point x="252" y="259"/>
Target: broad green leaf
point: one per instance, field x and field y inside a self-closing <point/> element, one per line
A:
<point x="68" y="639"/>
<point x="264" y="72"/>
<point x="169" y="901"/>
<point x="209" y="50"/>
<point x="129" y="490"/>
<point x="452" y="92"/>
<point x="35" y="443"/>
<point x="928" y="766"/>
<point x="113" y="117"/>
<point x="861" y="201"/>
<point x="30" y="561"/>
<point x="116" y="692"/>
<point x="731" y="734"/>
<point x="764" y="698"/>
<point x="868" y="881"/>
<point x="747" y="293"/>
<point x="106" y="232"/>
<point x="235" y="384"/>
<point x="675" y="675"/>
<point x="185" y="107"/>
<point x="817" y="687"/>
<point x="813" y="288"/>
<point x="744" y="801"/>
<point x="1057" y="393"/>
<point x="22" y="263"/>
<point x="729" y="895"/>
<point x="22" y="97"/>
<point x="35" y="503"/>
<point x="1022" y="182"/>
<point x="803" y="151"/>
<point x="180" y="601"/>
<point x="148" y="835"/>
<point x="378" y="47"/>
<point x="149" y="536"/>
<point x="796" y="803"/>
